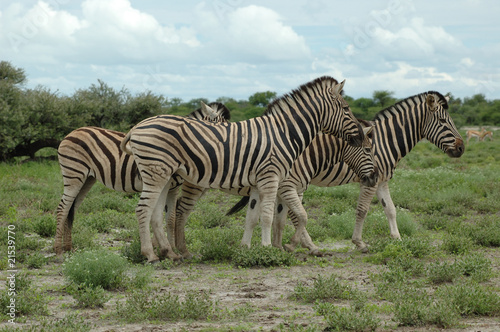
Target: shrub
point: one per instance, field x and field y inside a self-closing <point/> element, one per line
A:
<point x="262" y="256"/>
<point x="45" y="226"/>
<point x="470" y="298"/>
<point x="35" y="260"/>
<point x="476" y="266"/>
<point x="347" y="319"/>
<point x="88" y="296"/>
<point x="96" y="268"/>
<point x="167" y="307"/>
<point x="440" y="272"/>
<point x="323" y="289"/>
<point x="218" y="244"/>
<point x="457" y="244"/>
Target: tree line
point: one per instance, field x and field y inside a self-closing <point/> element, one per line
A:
<point x="32" y="119"/>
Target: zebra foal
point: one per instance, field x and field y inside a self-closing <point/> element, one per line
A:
<point x="89" y="154"/>
<point x="257" y="153"/>
<point x="397" y="130"/>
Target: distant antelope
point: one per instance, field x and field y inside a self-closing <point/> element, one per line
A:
<point x="474" y="133"/>
<point x="486" y="134"/>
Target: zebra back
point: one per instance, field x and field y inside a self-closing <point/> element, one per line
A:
<point x="232" y="155"/>
<point x="95" y="152"/>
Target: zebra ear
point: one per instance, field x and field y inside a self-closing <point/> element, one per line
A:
<point x="368" y="130"/>
<point x="337" y="89"/>
<point x="447" y="98"/>
<point x="432" y="102"/>
<point x="208" y="111"/>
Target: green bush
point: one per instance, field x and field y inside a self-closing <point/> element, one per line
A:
<point x="140" y="306"/>
<point x="457" y="244"/>
<point x="35" y="260"/>
<point x="324" y="289"/>
<point x="476" y="266"/>
<point x="263" y="257"/>
<point x="96" y="268"/>
<point x="441" y="272"/>
<point x="347" y="319"/>
<point x="88" y="296"/>
<point x="470" y="298"/>
<point x="45" y="226"/>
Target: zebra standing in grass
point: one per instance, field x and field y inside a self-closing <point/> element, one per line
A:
<point x="258" y="152"/>
<point x="324" y="150"/>
<point x="398" y="129"/>
<point x="89" y="154"/>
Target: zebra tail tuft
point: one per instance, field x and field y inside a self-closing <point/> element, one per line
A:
<point x="239" y="206"/>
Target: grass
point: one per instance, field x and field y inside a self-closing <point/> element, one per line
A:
<point x="440" y="273"/>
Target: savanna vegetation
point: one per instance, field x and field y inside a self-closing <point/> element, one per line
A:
<point x="32" y="119"/>
<point x="444" y="273"/>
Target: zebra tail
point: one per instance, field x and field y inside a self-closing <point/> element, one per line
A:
<point x="239" y="206"/>
<point x="124" y="146"/>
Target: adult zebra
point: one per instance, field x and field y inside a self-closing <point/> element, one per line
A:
<point x="324" y="150"/>
<point x="398" y="129"/>
<point x="258" y="152"/>
<point x="89" y="154"/>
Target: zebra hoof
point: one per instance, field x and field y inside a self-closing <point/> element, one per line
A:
<point x="364" y="250"/>
<point x="289" y="247"/>
<point x="316" y="253"/>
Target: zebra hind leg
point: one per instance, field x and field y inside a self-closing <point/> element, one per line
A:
<point x="165" y="249"/>
<point x="251" y="218"/>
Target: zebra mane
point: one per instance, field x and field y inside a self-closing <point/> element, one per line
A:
<point x="303" y="90"/>
<point x="218" y="107"/>
<point x="417" y="99"/>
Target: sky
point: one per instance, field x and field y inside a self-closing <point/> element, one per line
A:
<point x="234" y="48"/>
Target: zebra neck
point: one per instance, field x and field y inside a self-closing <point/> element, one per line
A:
<point x="395" y="137"/>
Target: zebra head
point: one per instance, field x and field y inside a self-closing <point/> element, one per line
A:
<point x="213" y="112"/>
<point x="361" y="159"/>
<point x="439" y="127"/>
<point x="338" y="119"/>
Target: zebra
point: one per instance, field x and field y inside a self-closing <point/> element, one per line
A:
<point x="324" y="151"/>
<point x="258" y="152"/>
<point x="89" y="154"/>
<point x="398" y="129"/>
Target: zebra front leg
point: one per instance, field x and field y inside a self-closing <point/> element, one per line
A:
<point x="190" y="195"/>
<point x="267" y="196"/>
<point x="294" y="202"/>
<point x="279" y="222"/>
<point x="384" y="196"/>
<point x="251" y="218"/>
<point x="365" y="198"/>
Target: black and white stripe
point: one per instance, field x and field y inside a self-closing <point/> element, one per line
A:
<point x="256" y="153"/>
<point x="398" y="129"/>
<point x="91" y="154"/>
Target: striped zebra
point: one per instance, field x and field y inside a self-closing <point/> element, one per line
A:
<point x="89" y="154"/>
<point x="258" y="152"/>
<point x="398" y="129"/>
<point x="323" y="152"/>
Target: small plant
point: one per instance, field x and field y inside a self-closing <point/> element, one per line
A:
<point x="88" y="296"/>
<point x="441" y="272"/>
<point x="457" y="244"/>
<point x="323" y="289"/>
<point x="414" y="307"/>
<point x="476" y="266"/>
<point x="133" y="251"/>
<point x="218" y="244"/>
<point x="29" y="301"/>
<point x="347" y="319"/>
<point x="262" y="256"/>
<point x="470" y="298"/>
<point x="96" y="267"/>
<point x="35" y="260"/>
<point x="45" y="226"/>
<point x="167" y="307"/>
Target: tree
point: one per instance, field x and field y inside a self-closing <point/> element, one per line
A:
<point x="383" y="98"/>
<point x="261" y="99"/>
<point x="10" y="74"/>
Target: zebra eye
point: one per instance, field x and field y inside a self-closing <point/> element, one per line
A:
<point x="442" y="120"/>
<point x="367" y="150"/>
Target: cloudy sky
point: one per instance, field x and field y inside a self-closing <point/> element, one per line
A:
<point x="234" y="48"/>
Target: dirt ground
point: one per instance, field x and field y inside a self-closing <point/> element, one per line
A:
<point x="265" y="291"/>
